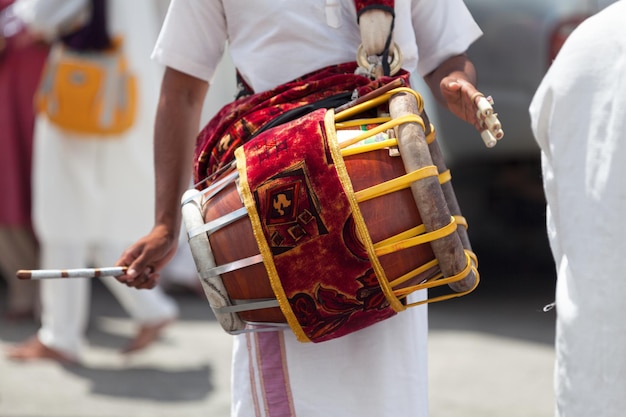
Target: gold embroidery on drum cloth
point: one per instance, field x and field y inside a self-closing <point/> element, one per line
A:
<point x="342" y="172"/>
<point x="264" y="248"/>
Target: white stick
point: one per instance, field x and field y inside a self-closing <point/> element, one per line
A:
<point x="114" y="271"/>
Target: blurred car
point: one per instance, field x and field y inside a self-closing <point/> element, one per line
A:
<point x="521" y="38"/>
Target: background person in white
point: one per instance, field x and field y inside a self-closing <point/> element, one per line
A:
<point x="92" y="196"/>
<point x="578" y="119"/>
<point x="380" y="371"/>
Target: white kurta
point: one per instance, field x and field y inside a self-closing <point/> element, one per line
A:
<point x="289" y="39"/>
<point x="93" y="197"/>
<point x="380" y="371"/>
<point x="578" y="119"/>
<point x="90" y="189"/>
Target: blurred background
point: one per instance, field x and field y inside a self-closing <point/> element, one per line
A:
<point x="490" y="353"/>
<point x="500" y="189"/>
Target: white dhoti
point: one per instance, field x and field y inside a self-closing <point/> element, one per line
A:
<point x="380" y="371"/>
<point x="578" y="120"/>
<point x="94" y="196"/>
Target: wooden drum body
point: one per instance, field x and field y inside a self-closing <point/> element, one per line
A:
<point x="404" y="249"/>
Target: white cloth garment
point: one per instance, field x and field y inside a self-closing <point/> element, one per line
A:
<point x="325" y="32"/>
<point x="380" y="371"/>
<point x="65" y="302"/>
<point x="93" y="197"/>
<point x="578" y="120"/>
<point x="52" y="18"/>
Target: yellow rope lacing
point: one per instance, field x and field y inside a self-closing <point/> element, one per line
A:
<point x="414" y="231"/>
<point x="439" y="280"/>
<point x="383" y="128"/>
<point x="400" y="242"/>
<point x="430" y="138"/>
<point x="383" y="98"/>
<point x="427" y="237"/>
<point x="361" y="122"/>
<point x="395" y="184"/>
<point x="369" y="147"/>
<point x="416" y="235"/>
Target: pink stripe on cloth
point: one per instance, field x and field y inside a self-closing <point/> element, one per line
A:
<point x="273" y="374"/>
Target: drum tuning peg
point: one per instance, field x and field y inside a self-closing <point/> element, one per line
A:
<point x="484" y="105"/>
<point x="489" y="139"/>
<point x="489" y="119"/>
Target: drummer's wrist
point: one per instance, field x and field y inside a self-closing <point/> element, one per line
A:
<point x="168" y="227"/>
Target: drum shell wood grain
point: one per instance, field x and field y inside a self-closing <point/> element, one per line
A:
<point x="384" y="216"/>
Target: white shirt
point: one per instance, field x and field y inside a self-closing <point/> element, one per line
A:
<point x="87" y="189"/>
<point x="320" y="33"/>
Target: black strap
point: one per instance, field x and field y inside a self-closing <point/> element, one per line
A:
<point x="293" y="114"/>
<point x="385" y="54"/>
<point x="94" y="35"/>
<point x="243" y="89"/>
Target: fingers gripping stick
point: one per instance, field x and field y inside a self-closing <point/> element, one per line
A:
<point x="489" y="119"/>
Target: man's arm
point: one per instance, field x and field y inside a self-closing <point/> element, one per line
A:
<point x="176" y="127"/>
<point x="453" y="86"/>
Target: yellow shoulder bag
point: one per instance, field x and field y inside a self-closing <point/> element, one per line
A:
<point x="89" y="92"/>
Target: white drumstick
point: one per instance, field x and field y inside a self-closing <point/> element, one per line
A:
<point x="114" y="271"/>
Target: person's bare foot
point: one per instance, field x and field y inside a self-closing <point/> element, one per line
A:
<point x="146" y="336"/>
<point x="33" y="349"/>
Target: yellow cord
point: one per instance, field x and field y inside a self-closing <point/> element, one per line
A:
<point x="395" y="184"/>
<point x="417" y="240"/>
<point x="409" y="118"/>
<point x="359" y="108"/>
<point x="361" y="122"/>
<point x="389" y="143"/>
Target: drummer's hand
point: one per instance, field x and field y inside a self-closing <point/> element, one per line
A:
<point x="146" y="257"/>
<point x="460" y="96"/>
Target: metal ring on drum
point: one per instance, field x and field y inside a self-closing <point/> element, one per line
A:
<point x="369" y="64"/>
<point x="225" y="309"/>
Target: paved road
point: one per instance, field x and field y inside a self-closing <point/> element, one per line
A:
<point x="490" y="355"/>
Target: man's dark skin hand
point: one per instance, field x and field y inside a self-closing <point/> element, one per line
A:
<point x="453" y="85"/>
